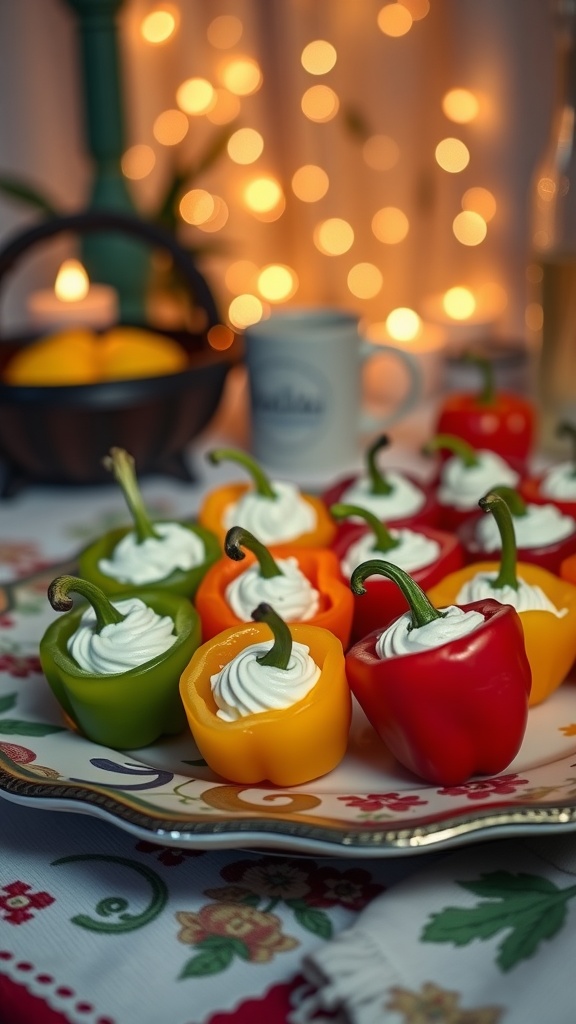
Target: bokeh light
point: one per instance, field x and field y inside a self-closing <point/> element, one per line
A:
<point x="403" y="324"/>
<point x="459" y="303"/>
<point x="318" y="57"/>
<point x="225" y="108"/>
<point x="480" y="200"/>
<point x="320" y="103"/>
<point x="158" y="26"/>
<point x="452" y="155"/>
<point x="365" y="280"/>
<point x="534" y="316"/>
<point x="277" y="283"/>
<point x="218" y="218"/>
<point x="241" y="276"/>
<point x="381" y="152"/>
<point x="197" y="206"/>
<point x="220" y="337"/>
<point x="394" y="20"/>
<point x="310" y="183"/>
<point x="460" y="105"/>
<point x="390" y="225"/>
<point x="245" y="146"/>
<point x="224" y="31"/>
<point x="195" y="96"/>
<point x="170" y="127"/>
<point x="418" y="8"/>
<point x="469" y="228"/>
<point x="138" y="161"/>
<point x="264" y="198"/>
<point x="333" y="236"/>
<point x="245" y="310"/>
<point x="241" y="75"/>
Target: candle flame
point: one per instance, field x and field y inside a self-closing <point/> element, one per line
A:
<point x="72" y="282"/>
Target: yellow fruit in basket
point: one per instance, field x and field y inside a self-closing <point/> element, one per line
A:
<point x="70" y="356"/>
<point x="128" y="352"/>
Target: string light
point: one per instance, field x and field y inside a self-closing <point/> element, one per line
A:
<point x="225" y="108"/>
<point x="241" y="276"/>
<point x="403" y="324"/>
<point x="394" y="20"/>
<point x="277" y="283"/>
<point x="318" y="57"/>
<point x="320" y="103"/>
<point x="195" y="96"/>
<point x="333" y="236"/>
<point x="224" y="31"/>
<point x="364" y="280"/>
<point x="220" y="337"/>
<point x="469" y="228"/>
<point x="480" y="200"/>
<point x="170" y="127"/>
<point x="245" y="310"/>
<point x="158" y="26"/>
<point x="459" y="303"/>
<point x="197" y="206"/>
<point x="381" y="152"/>
<point x="452" y="155"/>
<point x="310" y="183"/>
<point x="245" y="146"/>
<point x="417" y="8"/>
<point x="264" y="197"/>
<point x="390" y="225"/>
<point x="242" y="76"/>
<point x="219" y="217"/>
<point x="138" y="161"/>
<point x="460" y="105"/>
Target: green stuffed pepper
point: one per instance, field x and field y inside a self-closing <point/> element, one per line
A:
<point x="114" y="666"/>
<point x="165" y="555"/>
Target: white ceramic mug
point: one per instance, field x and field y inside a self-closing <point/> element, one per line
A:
<point x="305" y="390"/>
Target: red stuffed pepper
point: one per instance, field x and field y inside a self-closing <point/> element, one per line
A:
<point x="445" y="689"/>
<point x="499" y="421"/>
<point x="394" y="496"/>
<point x="558" y="483"/>
<point x="544" y="535"/>
<point x="426" y="553"/>
<point x="465" y="477"/>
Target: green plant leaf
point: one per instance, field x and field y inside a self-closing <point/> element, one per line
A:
<point x="25" y="193"/>
<point x="7" y="702"/>
<point x="14" y="727"/>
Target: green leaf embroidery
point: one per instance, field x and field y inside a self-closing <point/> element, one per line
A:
<point x="7" y="703"/>
<point x="216" y="954"/>
<point x="529" y="907"/>
<point x="315" y="921"/>
<point x="14" y="727"/>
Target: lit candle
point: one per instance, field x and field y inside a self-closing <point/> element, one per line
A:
<point x="458" y="315"/>
<point x="73" y="302"/>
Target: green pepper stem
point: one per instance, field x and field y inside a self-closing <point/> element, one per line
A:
<point x="262" y="484"/>
<point x="487" y="393"/>
<point x="460" y="448"/>
<point x="515" y="501"/>
<point x="59" y="589"/>
<point x="238" y="538"/>
<point x="122" y="466"/>
<point x="383" y="539"/>
<point x="495" y="504"/>
<point x="378" y="482"/>
<point x="568" y="430"/>
<point x="279" y="654"/>
<point x="421" y="608"/>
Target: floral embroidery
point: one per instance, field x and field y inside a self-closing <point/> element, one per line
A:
<point x="21" y="755"/>
<point x="437" y="1004"/>
<point x="352" y="889"/>
<point x="166" y="854"/>
<point x="276" y="879"/>
<point x="20" y="666"/>
<point x="221" y="931"/>
<point x="376" y="801"/>
<point x="19" y="902"/>
<point x="22" y="558"/>
<point x="486" y="787"/>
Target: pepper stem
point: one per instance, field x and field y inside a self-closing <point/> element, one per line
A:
<point x="59" y="589"/>
<point x="421" y="608"/>
<point x="122" y="466"/>
<point x="238" y="538"/>
<point x="495" y="504"/>
<point x="262" y="484"/>
<point x="279" y="654"/>
<point x="378" y="482"/>
<point x="568" y="430"/>
<point x="487" y="393"/>
<point x="460" y="448"/>
<point x="383" y="539"/>
<point x="515" y="501"/>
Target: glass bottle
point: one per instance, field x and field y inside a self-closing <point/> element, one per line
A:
<point x="554" y="242"/>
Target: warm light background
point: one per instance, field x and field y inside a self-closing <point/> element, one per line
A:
<point x="429" y="195"/>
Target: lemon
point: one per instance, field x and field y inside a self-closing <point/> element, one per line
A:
<point x="128" y="352"/>
<point x="70" y="356"/>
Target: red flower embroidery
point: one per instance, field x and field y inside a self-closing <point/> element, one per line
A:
<point x="486" y="787"/>
<point x="21" y="755"/>
<point x="352" y="889"/>
<point x="165" y="854"/>
<point x="20" y="666"/>
<point x="17" y="905"/>
<point x="377" y="801"/>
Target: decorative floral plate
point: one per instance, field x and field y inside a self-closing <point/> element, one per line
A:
<point x="368" y="807"/>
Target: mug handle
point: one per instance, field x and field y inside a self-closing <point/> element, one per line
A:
<point x="415" y="385"/>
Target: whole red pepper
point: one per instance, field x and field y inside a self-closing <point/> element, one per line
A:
<point x="451" y="711"/>
<point x="501" y="421"/>
<point x="383" y="600"/>
<point x="557" y="484"/>
<point x="525" y="518"/>
<point x="379" y="492"/>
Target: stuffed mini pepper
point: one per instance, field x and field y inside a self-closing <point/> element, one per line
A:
<point x="269" y="709"/>
<point x="465" y="476"/>
<point x="545" y="603"/>
<point x="445" y="688"/>
<point x="426" y="553"/>
<point x="302" y="585"/>
<point x="275" y="511"/>
<point x="114" y="665"/>
<point x="557" y="484"/>
<point x="165" y="555"/>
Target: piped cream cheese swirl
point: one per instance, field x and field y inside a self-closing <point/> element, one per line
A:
<point x="559" y="482"/>
<point x="414" y="551"/>
<point x="541" y="525"/>
<point x="273" y="520"/>
<point x="462" y="486"/>
<point x="141" y="636"/>
<point x="405" y="498"/>
<point x="245" y="687"/>
<point x="155" y="557"/>
<point x="291" y="594"/>
<point x="528" y="597"/>
<point x="400" y="637"/>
